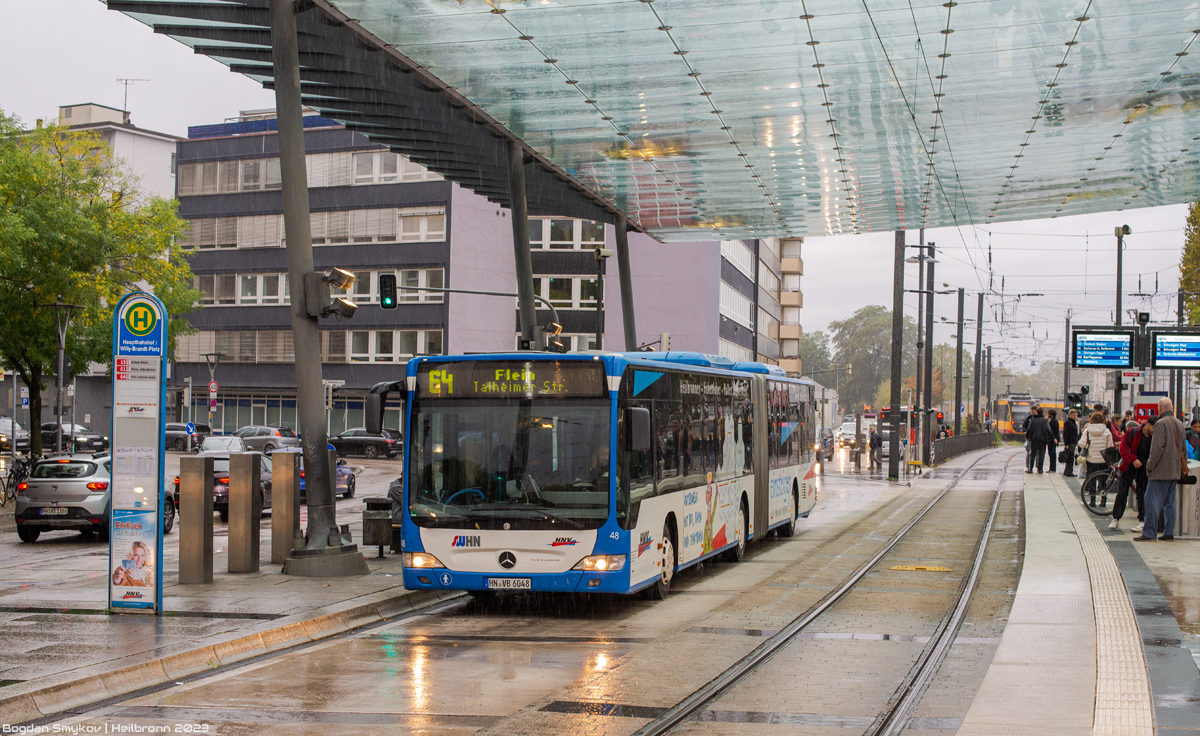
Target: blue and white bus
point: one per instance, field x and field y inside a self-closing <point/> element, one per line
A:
<point x="603" y="472"/>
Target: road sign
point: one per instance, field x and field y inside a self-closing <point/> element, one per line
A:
<point x="212" y="403"/>
<point x="1133" y="377"/>
<point x="135" y="523"/>
<point x="24" y="397"/>
<point x="191" y="428"/>
<point x="213" y="387"/>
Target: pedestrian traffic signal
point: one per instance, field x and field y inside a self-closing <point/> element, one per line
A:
<point x="387" y="290"/>
<point x="940" y="417"/>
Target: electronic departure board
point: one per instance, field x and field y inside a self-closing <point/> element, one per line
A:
<point x="1176" y="350"/>
<point x="1103" y="349"/>
<point x="513" y="379"/>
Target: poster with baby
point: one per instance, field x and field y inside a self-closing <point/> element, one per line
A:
<point x="132" y="579"/>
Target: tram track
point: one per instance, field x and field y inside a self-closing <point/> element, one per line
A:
<point x="900" y="707"/>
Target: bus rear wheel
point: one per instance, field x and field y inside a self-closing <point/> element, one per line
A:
<point x="788" y="528"/>
<point x="738" y="551"/>
<point x="662" y="586"/>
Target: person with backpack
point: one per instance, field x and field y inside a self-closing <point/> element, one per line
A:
<point x="1135" y="451"/>
<point x="875" y="445"/>
<point x="1039" y="437"/>
<point x="1095" y="440"/>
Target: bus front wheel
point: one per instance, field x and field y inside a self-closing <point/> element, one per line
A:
<point x="662" y="586"/>
<point x="738" y="551"/>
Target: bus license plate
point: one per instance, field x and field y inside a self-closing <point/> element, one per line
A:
<point x="54" y="512"/>
<point x="510" y="584"/>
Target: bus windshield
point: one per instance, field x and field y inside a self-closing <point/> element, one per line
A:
<point x="515" y="463"/>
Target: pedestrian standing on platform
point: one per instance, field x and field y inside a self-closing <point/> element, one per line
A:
<point x="1193" y="439"/>
<point x="1039" y="437"/>
<point x="1166" y="465"/>
<point x="1095" y="440"/>
<point x="875" y="445"/>
<point x="1052" y="450"/>
<point x="1028" y="446"/>
<point x="1070" y="435"/>
<point x="1135" y="451"/>
<point x="1114" y="426"/>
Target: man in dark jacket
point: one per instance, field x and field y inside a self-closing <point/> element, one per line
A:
<point x="1039" y="437"/>
<point x="1135" y="451"/>
<point x="875" y="445"/>
<point x="1165" y="466"/>
<point x="1070" y="435"/>
<point x="1052" y="449"/>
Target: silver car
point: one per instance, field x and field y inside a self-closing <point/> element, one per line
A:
<point x="71" y="492"/>
<point x="266" y="439"/>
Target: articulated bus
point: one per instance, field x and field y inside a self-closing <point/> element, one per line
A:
<point x="597" y="472"/>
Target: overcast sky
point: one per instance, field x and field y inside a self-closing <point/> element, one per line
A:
<point x="72" y="51"/>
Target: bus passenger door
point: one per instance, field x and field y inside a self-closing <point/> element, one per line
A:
<point x="761" y="513"/>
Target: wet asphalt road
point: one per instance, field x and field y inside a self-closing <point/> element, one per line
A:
<point x="600" y="664"/>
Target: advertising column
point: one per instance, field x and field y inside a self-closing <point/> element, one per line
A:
<point x="135" y="532"/>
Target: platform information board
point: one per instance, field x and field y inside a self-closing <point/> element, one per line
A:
<point x="139" y="393"/>
<point x="1103" y="350"/>
<point x="1173" y="350"/>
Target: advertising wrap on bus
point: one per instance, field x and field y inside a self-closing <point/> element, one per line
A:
<point x="595" y="473"/>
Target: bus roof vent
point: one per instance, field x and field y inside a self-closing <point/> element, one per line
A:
<point x="687" y="358"/>
<point x="752" y="367"/>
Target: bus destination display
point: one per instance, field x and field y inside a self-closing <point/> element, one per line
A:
<point x="1176" y="350"/>
<point x="1103" y="350"/>
<point x="511" y="379"/>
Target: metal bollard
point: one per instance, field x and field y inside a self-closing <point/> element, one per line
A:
<point x="285" y="504"/>
<point x="245" y="511"/>
<point x="195" y="520"/>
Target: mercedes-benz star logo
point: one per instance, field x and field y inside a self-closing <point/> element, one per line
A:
<point x="507" y="560"/>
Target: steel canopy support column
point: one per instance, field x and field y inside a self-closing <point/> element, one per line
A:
<point x="524" y="260"/>
<point x="926" y="435"/>
<point x="1116" y="410"/>
<point x="897" y="358"/>
<point x="625" y="274"/>
<point x="988" y="406"/>
<point x="310" y="405"/>
<point x="1066" y="367"/>
<point x="958" y="367"/>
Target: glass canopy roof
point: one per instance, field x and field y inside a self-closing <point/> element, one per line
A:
<point x="715" y="119"/>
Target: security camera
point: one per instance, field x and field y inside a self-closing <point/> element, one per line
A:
<point x="604" y="253"/>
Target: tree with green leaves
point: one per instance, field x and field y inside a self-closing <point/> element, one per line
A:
<point x="1189" y="265"/>
<point x="815" y="354"/>
<point x="75" y="228"/>
<point x="864" y="341"/>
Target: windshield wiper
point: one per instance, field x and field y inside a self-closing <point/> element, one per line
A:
<point x="530" y="506"/>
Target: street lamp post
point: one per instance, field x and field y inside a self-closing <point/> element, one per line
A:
<point x="63" y="322"/>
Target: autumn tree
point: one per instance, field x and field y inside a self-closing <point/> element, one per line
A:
<point x="74" y="226"/>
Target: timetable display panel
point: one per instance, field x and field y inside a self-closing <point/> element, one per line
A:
<point x="1102" y="349"/>
<point x="1176" y="350"/>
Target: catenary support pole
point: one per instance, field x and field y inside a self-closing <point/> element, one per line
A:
<point x="926" y="434"/>
<point x="975" y="410"/>
<point x="524" y="260"/>
<point x="988" y="406"/>
<point x="1066" y="367"/>
<point x="916" y="416"/>
<point x="1176" y="374"/>
<point x="958" y="366"/>
<point x="1116" y="409"/>
<point x="310" y="404"/>
<point x="626" y="277"/>
<point x="897" y="358"/>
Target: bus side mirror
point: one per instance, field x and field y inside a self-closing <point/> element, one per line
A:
<point x="376" y="398"/>
<point x="637" y="424"/>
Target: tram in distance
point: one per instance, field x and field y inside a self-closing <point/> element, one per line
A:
<point x="601" y="472"/>
<point x="1012" y="410"/>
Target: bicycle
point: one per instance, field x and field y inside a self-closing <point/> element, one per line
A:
<point x="1102" y="483"/>
<point x="17" y="473"/>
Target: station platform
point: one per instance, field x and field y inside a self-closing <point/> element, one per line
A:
<point x="1095" y="642"/>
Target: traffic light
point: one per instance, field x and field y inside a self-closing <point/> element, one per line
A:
<point x="1083" y="390"/>
<point x="387" y="290"/>
<point x="940" y="417"/>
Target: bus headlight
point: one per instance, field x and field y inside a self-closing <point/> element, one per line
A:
<point x="420" y="560"/>
<point x="601" y="563"/>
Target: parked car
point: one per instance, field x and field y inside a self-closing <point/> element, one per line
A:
<point x="10" y="430"/>
<point x="223" y="443"/>
<point x="265" y="439"/>
<point x="177" y="436"/>
<point x="221" y="482"/>
<point x="825" y="443"/>
<point x="76" y="438"/>
<point x="360" y="442"/>
<point x="344" y="483"/>
<point x="72" y="492"/>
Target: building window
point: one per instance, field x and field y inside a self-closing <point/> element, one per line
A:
<point x="735" y="306"/>
<point x="768" y="281"/>
<point x="735" y="352"/>
<point x="571" y="342"/>
<point x="410" y="225"/>
<point x="565" y="234"/>
<point x="324" y="170"/>
<point x="736" y="252"/>
<point x="568" y="292"/>
<point x="390" y="346"/>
